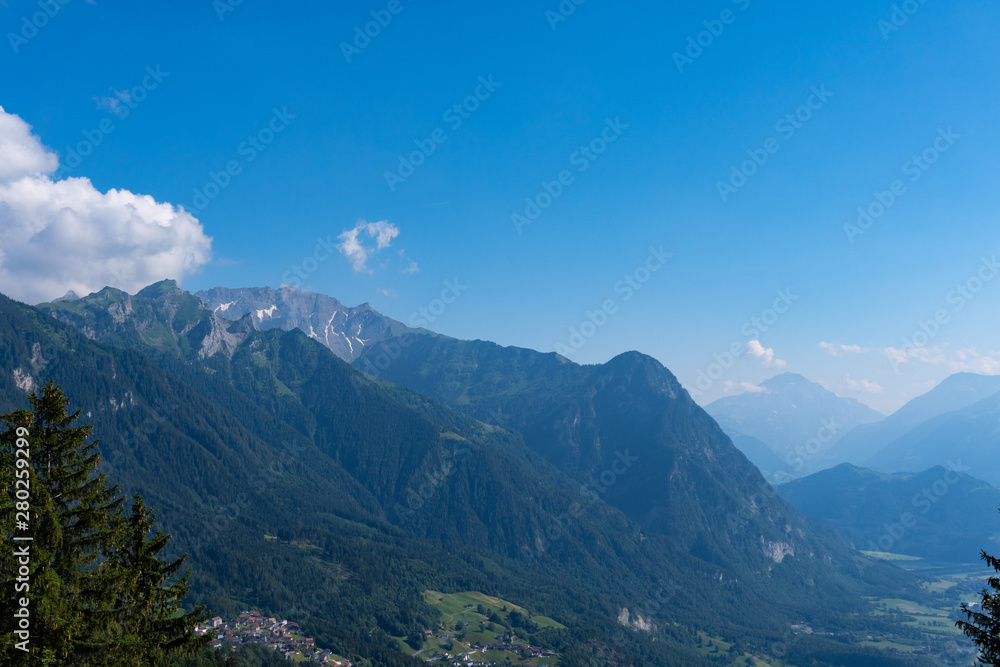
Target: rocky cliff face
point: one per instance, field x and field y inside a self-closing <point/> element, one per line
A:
<point x="161" y="317"/>
<point x="347" y="331"/>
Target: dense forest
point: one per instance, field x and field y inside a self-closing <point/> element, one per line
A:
<point x="289" y="479"/>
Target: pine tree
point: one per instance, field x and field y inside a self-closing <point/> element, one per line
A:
<point x="148" y="623"/>
<point x="81" y="554"/>
<point x="73" y="513"/>
<point x="984" y="627"/>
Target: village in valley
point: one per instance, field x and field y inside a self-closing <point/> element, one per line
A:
<point x="474" y="629"/>
<point x="250" y="627"/>
<point x="477" y="629"/>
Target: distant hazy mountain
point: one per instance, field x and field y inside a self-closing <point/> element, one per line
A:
<point x="761" y="455"/>
<point x="68" y="296"/>
<point x="955" y="392"/>
<point x="971" y="434"/>
<point x="798" y="419"/>
<point x="938" y="514"/>
<point x="343" y="329"/>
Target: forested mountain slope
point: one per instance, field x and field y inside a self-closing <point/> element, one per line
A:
<point x="378" y="493"/>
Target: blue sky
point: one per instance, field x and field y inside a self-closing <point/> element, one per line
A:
<point x="664" y="131"/>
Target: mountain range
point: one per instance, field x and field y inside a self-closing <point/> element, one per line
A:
<point x="299" y="486"/>
<point x="582" y="491"/>
<point x="942" y="515"/>
<point x="969" y="435"/>
<point x="800" y="421"/>
<point x="346" y="331"/>
<point x="873" y="444"/>
<point x="790" y="427"/>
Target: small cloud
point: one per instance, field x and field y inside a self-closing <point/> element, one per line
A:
<point x="911" y="353"/>
<point x="354" y="248"/>
<point x="895" y="356"/>
<point x="836" y="349"/>
<point x="114" y="104"/>
<point x="412" y="268"/>
<point x="731" y="387"/>
<point x="765" y="355"/>
<point x="863" y="386"/>
<point x="971" y="361"/>
<point x="225" y="261"/>
<point x="391" y="293"/>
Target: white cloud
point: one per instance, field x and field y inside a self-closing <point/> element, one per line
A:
<point x="896" y="356"/>
<point x="765" y="355"/>
<point x="864" y="386"/>
<point x="971" y="361"/>
<point x="114" y="104"/>
<point x="910" y="353"/>
<point x="356" y="252"/>
<point x="836" y="349"/>
<point x="58" y="235"/>
<point x="731" y="387"/>
<point x="22" y="154"/>
<point x="968" y="360"/>
<point x="412" y="268"/>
